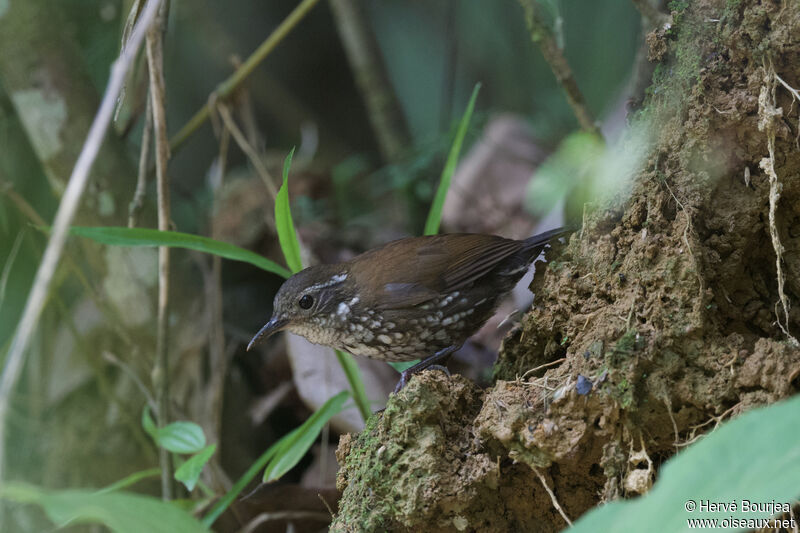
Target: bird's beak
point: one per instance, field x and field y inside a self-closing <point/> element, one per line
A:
<point x="273" y="326"/>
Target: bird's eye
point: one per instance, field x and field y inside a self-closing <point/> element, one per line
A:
<point x="306" y="302"/>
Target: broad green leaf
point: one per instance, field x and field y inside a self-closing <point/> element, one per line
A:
<point x="283" y="221"/>
<point x="181" y="437"/>
<point x="189" y="472"/>
<point x="122" y="512"/>
<point x="353" y="375"/>
<point x="435" y="214"/>
<point x="754" y="457"/>
<point x="177" y="437"/>
<point x="294" y="446"/>
<point x="119" y="236"/>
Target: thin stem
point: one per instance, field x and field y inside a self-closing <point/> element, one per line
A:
<point x="144" y="158"/>
<point x="227" y="87"/>
<point x="364" y="56"/>
<point x="248" y="149"/>
<point x="66" y="212"/>
<point x="155" y="66"/>
<point x="543" y="36"/>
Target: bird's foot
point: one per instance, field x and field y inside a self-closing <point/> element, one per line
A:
<point x="430" y="362"/>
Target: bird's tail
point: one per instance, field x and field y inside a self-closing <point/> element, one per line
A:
<point x="541" y="239"/>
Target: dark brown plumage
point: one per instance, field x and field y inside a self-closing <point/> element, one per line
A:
<point x="420" y="297"/>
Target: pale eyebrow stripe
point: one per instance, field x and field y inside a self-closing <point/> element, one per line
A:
<point x="335" y="280"/>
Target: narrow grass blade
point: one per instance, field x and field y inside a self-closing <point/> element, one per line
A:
<point x="120" y="236"/>
<point x="223" y="503"/>
<point x="353" y="375"/>
<point x="189" y="472"/>
<point x="294" y="446"/>
<point x="275" y="457"/>
<point x="435" y="214"/>
<point x="283" y="221"/>
<point x="131" y="479"/>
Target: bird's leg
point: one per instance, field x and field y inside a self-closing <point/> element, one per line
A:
<point x="433" y="360"/>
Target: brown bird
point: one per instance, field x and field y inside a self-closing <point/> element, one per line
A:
<point x="419" y="297"/>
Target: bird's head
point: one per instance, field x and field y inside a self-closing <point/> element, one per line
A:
<point x="307" y="303"/>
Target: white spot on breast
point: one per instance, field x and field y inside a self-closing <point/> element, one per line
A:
<point x="385" y="339"/>
<point x="450" y="297"/>
<point x="354" y="301"/>
<point x="389" y="325"/>
<point x="343" y="310"/>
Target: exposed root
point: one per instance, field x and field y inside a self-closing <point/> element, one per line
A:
<point x="717" y="421"/>
<point x="552" y="497"/>
<point x="769" y="113"/>
<point x="668" y="405"/>
<point x="686" y="229"/>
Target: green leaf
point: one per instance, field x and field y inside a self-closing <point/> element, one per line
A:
<point x="435" y="214"/>
<point x="120" y="511"/>
<point x="181" y="437"/>
<point x="177" y="437"/>
<point x="353" y="375"/>
<point x="223" y="503"/>
<point x="189" y="472"/>
<point x="148" y="424"/>
<point x="754" y="457"/>
<point x="294" y="446"/>
<point x="302" y="433"/>
<point x="283" y="221"/>
<point x="577" y="159"/>
<point x="119" y="236"/>
<point x="404" y="365"/>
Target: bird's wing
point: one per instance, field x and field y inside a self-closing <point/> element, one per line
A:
<point x="475" y="257"/>
<point x="434" y="266"/>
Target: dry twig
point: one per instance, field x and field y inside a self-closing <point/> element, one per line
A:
<point x="247" y="148"/>
<point x="160" y="375"/>
<point x="144" y="158"/>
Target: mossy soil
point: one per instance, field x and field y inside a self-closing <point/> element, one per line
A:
<point x="657" y="321"/>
